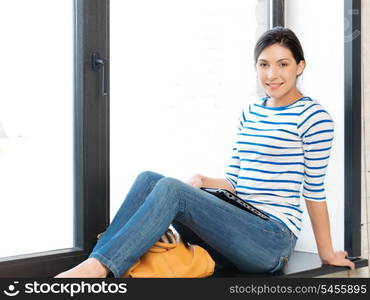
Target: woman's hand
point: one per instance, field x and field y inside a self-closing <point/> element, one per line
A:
<point x="195" y="180"/>
<point x="338" y="258"/>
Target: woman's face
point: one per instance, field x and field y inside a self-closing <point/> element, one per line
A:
<point x="277" y="71"/>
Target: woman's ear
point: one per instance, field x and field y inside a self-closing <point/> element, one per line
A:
<point x="301" y="67"/>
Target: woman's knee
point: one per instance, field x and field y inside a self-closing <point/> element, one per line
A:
<point x="149" y="176"/>
<point x="170" y="190"/>
<point x="169" y="184"/>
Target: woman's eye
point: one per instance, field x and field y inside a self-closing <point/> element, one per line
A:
<point x="262" y="65"/>
<point x="284" y="64"/>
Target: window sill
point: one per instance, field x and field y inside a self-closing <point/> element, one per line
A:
<point x="301" y="264"/>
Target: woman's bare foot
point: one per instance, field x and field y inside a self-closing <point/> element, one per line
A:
<point x="89" y="268"/>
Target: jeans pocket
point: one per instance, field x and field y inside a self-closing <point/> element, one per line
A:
<point x="283" y="260"/>
<point x="275" y="227"/>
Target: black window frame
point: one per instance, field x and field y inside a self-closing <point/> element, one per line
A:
<point x="352" y="102"/>
<point x="91" y="149"/>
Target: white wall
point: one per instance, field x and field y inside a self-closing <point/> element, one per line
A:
<point x="319" y="25"/>
<point x="180" y="74"/>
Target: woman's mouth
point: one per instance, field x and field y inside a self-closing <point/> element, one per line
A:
<point x="274" y="86"/>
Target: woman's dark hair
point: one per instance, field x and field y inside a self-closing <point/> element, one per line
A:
<point x="283" y="36"/>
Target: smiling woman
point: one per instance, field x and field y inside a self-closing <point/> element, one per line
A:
<point x="299" y="133"/>
<point x="279" y="61"/>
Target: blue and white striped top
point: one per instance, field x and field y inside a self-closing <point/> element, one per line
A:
<point x="278" y="148"/>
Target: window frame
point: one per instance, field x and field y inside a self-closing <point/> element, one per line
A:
<point x="353" y="146"/>
<point x="276" y="13"/>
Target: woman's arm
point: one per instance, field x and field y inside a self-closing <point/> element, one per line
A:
<point x="316" y="128"/>
<point x="198" y="180"/>
<point x="221" y="183"/>
<point x="318" y="212"/>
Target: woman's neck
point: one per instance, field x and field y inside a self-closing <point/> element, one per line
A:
<point x="286" y="100"/>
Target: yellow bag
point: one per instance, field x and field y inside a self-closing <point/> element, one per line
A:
<point x="171" y="258"/>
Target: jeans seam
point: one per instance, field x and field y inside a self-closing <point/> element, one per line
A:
<point x="293" y="239"/>
<point x="222" y="208"/>
<point x="181" y="202"/>
<point x="275" y="232"/>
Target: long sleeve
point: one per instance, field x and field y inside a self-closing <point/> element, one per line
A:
<point x="233" y="168"/>
<point x="316" y="128"/>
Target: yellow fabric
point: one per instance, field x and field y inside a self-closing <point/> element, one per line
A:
<point x="171" y="258"/>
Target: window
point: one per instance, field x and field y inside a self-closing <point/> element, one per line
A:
<point x="36" y="126"/>
<point x="53" y="134"/>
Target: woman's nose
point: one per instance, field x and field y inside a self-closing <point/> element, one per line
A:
<point x="272" y="73"/>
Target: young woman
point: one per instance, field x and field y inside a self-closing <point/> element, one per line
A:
<point x="283" y="140"/>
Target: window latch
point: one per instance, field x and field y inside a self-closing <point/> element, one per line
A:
<point x="98" y="63"/>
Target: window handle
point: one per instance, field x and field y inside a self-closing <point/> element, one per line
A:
<point x="101" y="63"/>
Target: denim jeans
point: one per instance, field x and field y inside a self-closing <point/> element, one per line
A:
<point x="230" y="235"/>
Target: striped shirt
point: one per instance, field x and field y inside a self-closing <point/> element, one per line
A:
<point x="276" y="150"/>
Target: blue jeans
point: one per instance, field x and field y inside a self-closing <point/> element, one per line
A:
<point x="230" y="234"/>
